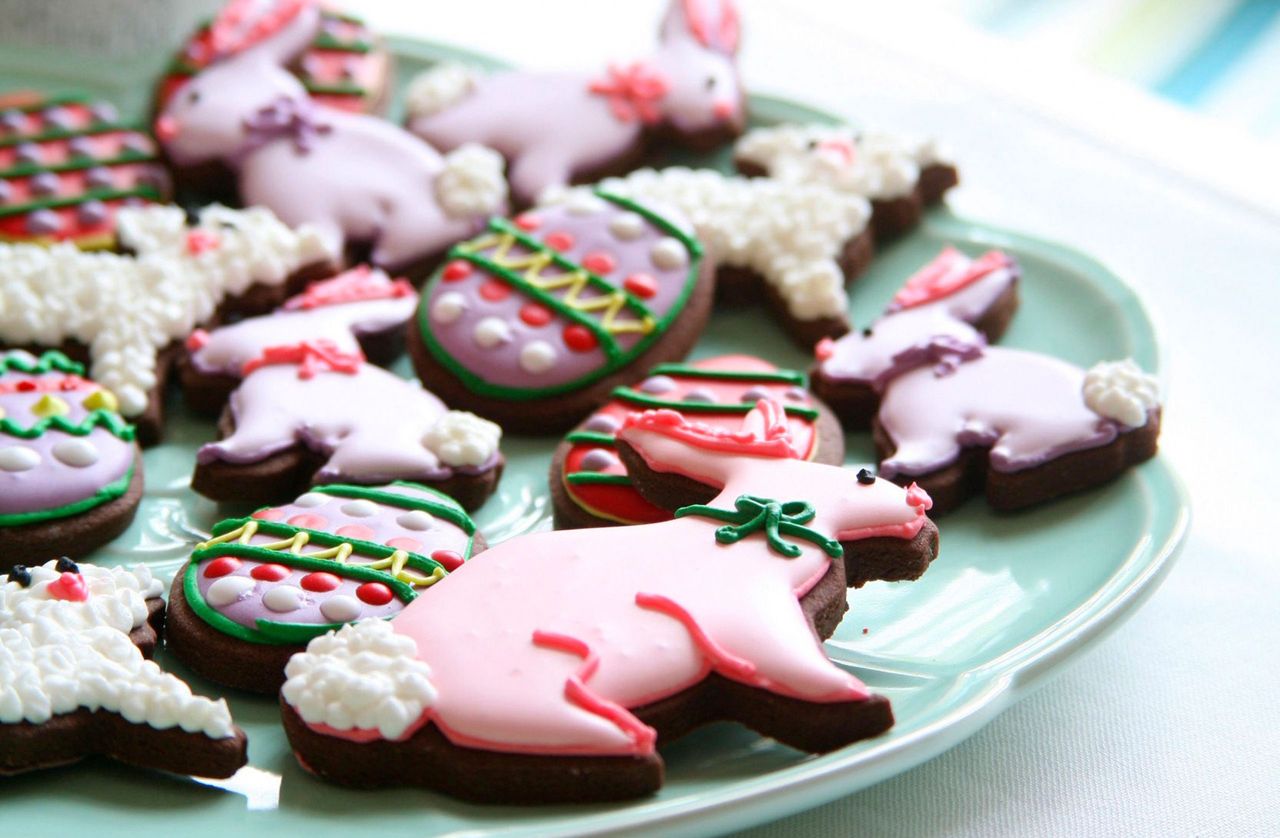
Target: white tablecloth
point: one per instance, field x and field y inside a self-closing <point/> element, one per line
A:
<point x="1171" y="726"/>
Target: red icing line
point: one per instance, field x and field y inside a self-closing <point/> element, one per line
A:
<point x="935" y="281"/>
<point x="310" y="356"/>
<point x="633" y="92"/>
<point x="47" y="384"/>
<point x="575" y="690"/>
<point x="356" y="285"/>
<point x="775" y="442"/>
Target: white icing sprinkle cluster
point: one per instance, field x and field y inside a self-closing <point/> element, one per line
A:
<point x="57" y="656"/>
<point x="875" y="165"/>
<point x="460" y="438"/>
<point x="438" y="88"/>
<point x="1121" y="391"/>
<point x="125" y="308"/>
<point x="362" y="676"/>
<point x="791" y="234"/>
<point x="472" y="182"/>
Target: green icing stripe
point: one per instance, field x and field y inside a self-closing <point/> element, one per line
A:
<point x="439" y="505"/>
<point x="50" y="361"/>
<point x="301" y="561"/>
<point x="289" y="634"/>
<point x="595" y="437"/>
<point x="325" y="540"/>
<point x="95" y="419"/>
<point x="54" y="101"/>
<point x="344" y="89"/>
<point x="70" y="133"/>
<point x="691" y="244"/>
<point x="107" y="493"/>
<point x="74" y="200"/>
<point x="792" y="377"/>
<point x="326" y="41"/>
<point x="76" y="165"/>
<point x="632" y="396"/>
<point x="591" y="478"/>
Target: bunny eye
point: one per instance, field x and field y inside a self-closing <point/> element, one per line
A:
<point x="710" y="83"/>
<point x="813" y="145"/>
<point x="193" y="97"/>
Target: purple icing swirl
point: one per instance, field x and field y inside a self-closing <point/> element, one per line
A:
<point x="296" y="120"/>
<point x="944" y="351"/>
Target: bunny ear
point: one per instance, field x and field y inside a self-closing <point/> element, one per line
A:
<point x="278" y="32"/>
<point x="714" y="24"/>
<point x="764" y="431"/>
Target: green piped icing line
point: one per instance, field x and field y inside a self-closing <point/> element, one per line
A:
<point x="630" y="396"/>
<point x="104" y="419"/>
<point x="107" y="493"/>
<point x="775" y="519"/>
<point x="591" y="437"/>
<point x="76" y="200"/>
<point x="54" y="101"/>
<point x="50" y="361"/>
<point x="439" y="504"/>
<point x="78" y="164"/>
<point x="476" y="384"/>
<point x="326" y="41"/>
<point x="591" y="478"/>
<point x="792" y="377"/>
<point x="70" y="133"/>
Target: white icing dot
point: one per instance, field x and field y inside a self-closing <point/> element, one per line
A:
<point x="628" y="226"/>
<point x="283" y="598"/>
<point x="360" y="508"/>
<point x="311" y="499"/>
<point x="341" y="608"/>
<point x="228" y="589"/>
<point x="491" y="332"/>
<point x="668" y="254"/>
<point x="415" y="520"/>
<point x="18" y="458"/>
<point x="537" y="356"/>
<point x="448" y="307"/>
<point x="584" y="203"/>
<point x="78" y="453"/>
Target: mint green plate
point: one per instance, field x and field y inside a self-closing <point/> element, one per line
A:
<point x="1010" y="602"/>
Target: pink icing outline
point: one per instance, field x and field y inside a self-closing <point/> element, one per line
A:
<point x="311" y="356"/>
<point x="774" y="441"/>
<point x="357" y="285"/>
<point x="931" y="282"/>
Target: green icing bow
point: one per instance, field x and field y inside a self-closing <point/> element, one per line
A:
<point x="776" y="518"/>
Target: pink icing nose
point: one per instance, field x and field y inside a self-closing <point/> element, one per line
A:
<point x="843" y="148"/>
<point x="68" y="587"/>
<point x="725" y="109"/>
<point x="166" y="128"/>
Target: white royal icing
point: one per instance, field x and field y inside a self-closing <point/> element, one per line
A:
<point x="1121" y="391"/>
<point x="463" y="439"/>
<point x="472" y="182"/>
<point x="362" y="676"/>
<point x="58" y="656"/>
<point x="125" y="308"/>
<point x="438" y="88"/>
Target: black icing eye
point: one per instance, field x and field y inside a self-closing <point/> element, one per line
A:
<point x="813" y="145"/>
<point x="193" y="97"/>
<point x="21" y="575"/>
<point x="710" y="83"/>
<point x="866" y="333"/>
<point x="865" y="477"/>
<point x="65" y="565"/>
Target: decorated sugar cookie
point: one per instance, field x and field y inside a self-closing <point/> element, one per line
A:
<point x="125" y="315"/>
<point x="589" y="483"/>
<point x="900" y="175"/>
<point x="67" y="165"/>
<point x="75" y="679"/>
<point x="357" y="179"/>
<point x="262" y="586"/>
<point x="535" y="321"/>
<point x="960" y="417"/>
<point x="70" y="470"/>
<point x="361" y="310"/>
<point x="549" y="668"/>
<point x="794" y="245"/>
<point x="310" y="413"/>
<point x="344" y="67"/>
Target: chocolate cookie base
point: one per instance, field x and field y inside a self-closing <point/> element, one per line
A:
<point x="429" y="759"/>
<point x="556" y="414"/>
<point x="1078" y="471"/>
<point x="856" y="401"/>
<point x="74" y="536"/>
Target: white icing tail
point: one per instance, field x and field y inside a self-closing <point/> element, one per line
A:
<point x="472" y="182"/>
<point x="439" y="88"/>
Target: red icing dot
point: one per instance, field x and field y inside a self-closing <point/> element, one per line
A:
<point x="309" y="521"/>
<point x="269" y="572"/>
<point x="271" y="513"/>
<point x="220" y="567"/>
<point x="494" y="290"/>
<point x="374" y="593"/>
<point x="409" y="545"/>
<point x="535" y="315"/>
<point x="579" y="338"/>
<point x="559" y="241"/>
<point x="456" y="270"/>
<point x="319" y="582"/>
<point x="599" y="263"/>
<point x="358" y="531"/>
<point x="451" y="560"/>
<point x="26" y="386"/>
<point x="68" y="384"/>
<point x="643" y="286"/>
<point x="528" y="221"/>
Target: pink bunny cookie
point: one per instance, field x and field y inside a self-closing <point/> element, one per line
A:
<point x="562" y="127"/>
<point x="600" y="643"/>
<point x="309" y="412"/>
<point x="961" y="417"/>
<point x="361" y="310"/>
<point x="358" y="179"/>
